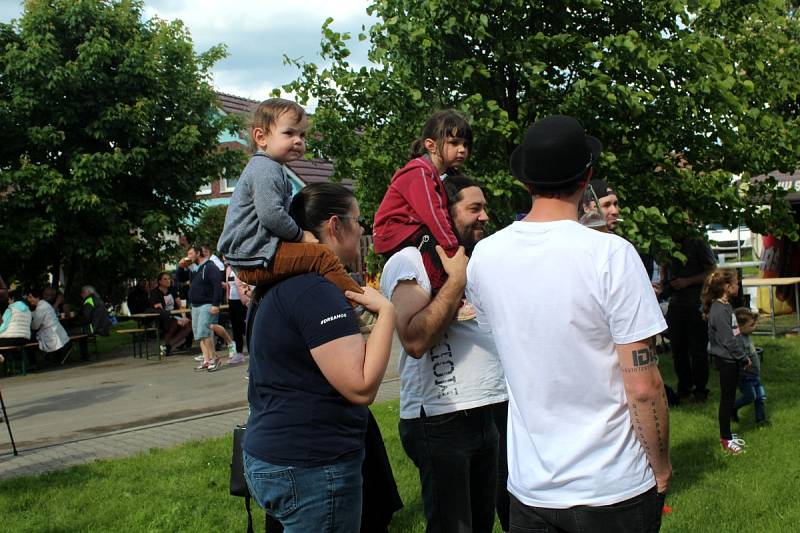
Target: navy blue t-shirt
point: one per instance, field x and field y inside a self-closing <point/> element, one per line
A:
<point x="297" y="418"/>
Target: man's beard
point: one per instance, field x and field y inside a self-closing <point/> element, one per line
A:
<point x="470" y="237"/>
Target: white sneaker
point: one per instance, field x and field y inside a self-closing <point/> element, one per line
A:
<point x="198" y="358"/>
<point x="214" y="364"/>
<point x="231" y="350"/>
<point x="236" y="359"/>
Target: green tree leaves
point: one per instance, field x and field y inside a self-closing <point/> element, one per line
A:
<point x="108" y="127"/>
<point x="683" y="94"/>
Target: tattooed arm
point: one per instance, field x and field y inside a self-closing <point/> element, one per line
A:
<point x="647" y="402"/>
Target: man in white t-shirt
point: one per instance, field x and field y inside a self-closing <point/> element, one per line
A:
<point x="572" y="313"/>
<point x="451" y="381"/>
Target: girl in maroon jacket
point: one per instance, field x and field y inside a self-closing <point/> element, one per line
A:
<point x="414" y="210"/>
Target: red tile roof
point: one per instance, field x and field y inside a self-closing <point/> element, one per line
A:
<point x="315" y="171"/>
<point x="236" y="104"/>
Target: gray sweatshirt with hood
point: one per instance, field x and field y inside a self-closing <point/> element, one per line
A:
<point x="258" y="215"/>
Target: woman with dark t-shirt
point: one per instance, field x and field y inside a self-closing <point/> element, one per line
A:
<point x="311" y="377"/>
<point x="165" y="298"/>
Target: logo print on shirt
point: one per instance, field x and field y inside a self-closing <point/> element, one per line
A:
<point x="332" y="318"/>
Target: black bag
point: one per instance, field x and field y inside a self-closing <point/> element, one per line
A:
<point x="239" y="483"/>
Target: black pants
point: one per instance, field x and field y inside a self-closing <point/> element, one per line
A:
<point x="639" y="514"/>
<point x="502" y="502"/>
<point x="688" y="336"/>
<point x="728" y="379"/>
<point x="456" y="454"/>
<point x="238" y="313"/>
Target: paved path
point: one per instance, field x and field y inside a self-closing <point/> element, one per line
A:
<point x="119" y="406"/>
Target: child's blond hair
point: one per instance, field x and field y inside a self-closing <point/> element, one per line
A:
<point x="268" y="112"/>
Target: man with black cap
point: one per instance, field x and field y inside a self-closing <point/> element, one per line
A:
<point x="607" y="202"/>
<point x="588" y="438"/>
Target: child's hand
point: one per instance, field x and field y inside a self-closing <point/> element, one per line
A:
<point x="749" y="364"/>
<point x="371" y="300"/>
<point x="309" y="238"/>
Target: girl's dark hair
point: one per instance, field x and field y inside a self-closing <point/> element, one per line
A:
<point x="162" y="274"/>
<point x="440" y="126"/>
<point x="714" y="287"/>
<point x="317" y="202"/>
<point x="14" y="295"/>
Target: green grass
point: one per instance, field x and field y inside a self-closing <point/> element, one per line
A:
<point x="186" y="488"/>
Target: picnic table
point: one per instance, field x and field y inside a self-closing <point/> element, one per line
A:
<point x="147" y="323"/>
<point x="772" y="283"/>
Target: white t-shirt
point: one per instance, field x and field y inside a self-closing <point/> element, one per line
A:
<point x="461" y="372"/>
<point x="557" y="297"/>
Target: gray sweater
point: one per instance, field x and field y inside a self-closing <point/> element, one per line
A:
<point x="721" y="339"/>
<point x="258" y="215"/>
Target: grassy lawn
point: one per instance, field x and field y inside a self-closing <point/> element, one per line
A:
<point x="186" y="488"/>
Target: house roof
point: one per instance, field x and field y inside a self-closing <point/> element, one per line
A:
<point x="307" y="170"/>
<point x="315" y="171"/>
<point x="236" y="104"/>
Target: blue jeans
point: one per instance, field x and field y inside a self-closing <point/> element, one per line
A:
<point x="752" y="392"/>
<point x="456" y="454"/>
<point x="323" y="498"/>
<point x="640" y="514"/>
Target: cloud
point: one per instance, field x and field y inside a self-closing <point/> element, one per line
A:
<point x="257" y="34"/>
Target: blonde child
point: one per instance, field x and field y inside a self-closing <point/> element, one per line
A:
<point x="727" y="348"/>
<point x="260" y="240"/>
<point x="414" y="210"/>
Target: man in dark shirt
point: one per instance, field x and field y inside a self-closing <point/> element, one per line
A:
<point x="688" y="332"/>
<point x="205" y="296"/>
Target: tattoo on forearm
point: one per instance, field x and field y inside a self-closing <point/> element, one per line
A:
<point x="651" y="408"/>
<point x="643" y="360"/>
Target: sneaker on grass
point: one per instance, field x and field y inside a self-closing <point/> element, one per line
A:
<point x="738" y="440"/>
<point x="731" y="447"/>
<point x="214" y="364"/>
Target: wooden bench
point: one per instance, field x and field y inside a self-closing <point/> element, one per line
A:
<point x="140" y="338"/>
<point x="23" y="351"/>
<point x="11" y="361"/>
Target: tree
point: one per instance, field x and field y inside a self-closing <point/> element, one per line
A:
<point x="209" y="226"/>
<point x="684" y="94"/>
<point x="108" y="127"/>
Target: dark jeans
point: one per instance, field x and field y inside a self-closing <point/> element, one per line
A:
<point x="238" y="313"/>
<point x="639" y="514"/>
<point x="688" y="336"/>
<point x="456" y="454"/>
<point x="752" y="392"/>
<point x="728" y="378"/>
<point x="500" y="412"/>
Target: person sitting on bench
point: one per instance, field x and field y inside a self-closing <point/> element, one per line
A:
<point x="16" y="327"/>
<point x="51" y="335"/>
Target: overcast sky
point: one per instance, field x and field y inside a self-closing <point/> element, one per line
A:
<point x="257" y="33"/>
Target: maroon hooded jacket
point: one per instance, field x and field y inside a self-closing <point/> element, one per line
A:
<point x="415" y="200"/>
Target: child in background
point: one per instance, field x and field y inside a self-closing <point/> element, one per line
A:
<point x="750" y="378"/>
<point x="414" y="210"/>
<point x="727" y="348"/>
<point x="260" y="241"/>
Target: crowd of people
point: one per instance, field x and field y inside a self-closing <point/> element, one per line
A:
<point x="529" y="380"/>
<point x="530" y="388"/>
<point x="41" y="316"/>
